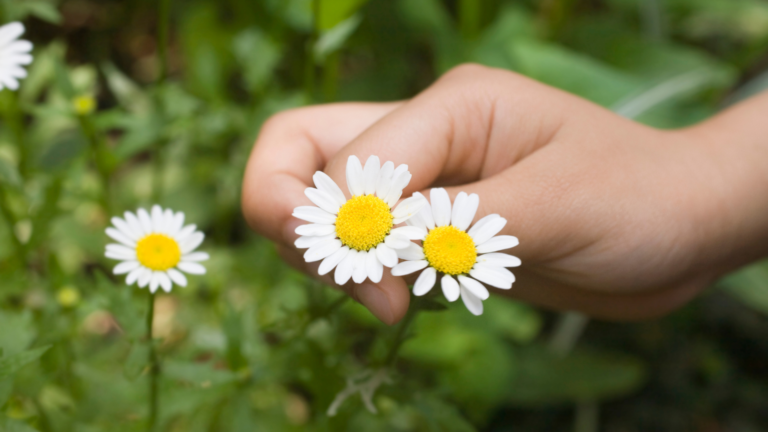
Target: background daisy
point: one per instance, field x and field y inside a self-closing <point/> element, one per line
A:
<point x="462" y="257"/>
<point x="154" y="247"/>
<point x="14" y="53"/>
<point x="357" y="237"/>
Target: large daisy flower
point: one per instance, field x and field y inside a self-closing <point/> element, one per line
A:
<point x="463" y="257"/>
<point x="357" y="236"/>
<point x="154" y="247"/>
<point x="14" y="53"/>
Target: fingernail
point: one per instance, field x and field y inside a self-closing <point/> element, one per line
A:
<point x="376" y="301"/>
<point x="289" y="231"/>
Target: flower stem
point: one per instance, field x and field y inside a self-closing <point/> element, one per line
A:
<point x="402" y="333"/>
<point x="154" y="368"/>
<point x="567" y="332"/>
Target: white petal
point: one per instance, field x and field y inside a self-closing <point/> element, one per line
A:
<point x="330" y="262"/>
<point x="360" y="272"/>
<point x="315" y="229"/>
<point x="145" y="221"/>
<point x="373" y="267"/>
<point x="184" y="233"/>
<point x="314" y="215"/>
<point x="441" y="206"/>
<point x="473" y="304"/>
<point x="305" y="242"/>
<point x="322" y="250"/>
<point x="392" y="198"/>
<point x="411" y="233"/>
<point x="9" y="82"/>
<point x="165" y="281"/>
<point x="386" y="255"/>
<point x="497" y="244"/>
<point x="327" y="185"/>
<point x="125" y="267"/>
<point x="488" y="230"/>
<point x="481" y="223"/>
<point x="134" y="223"/>
<point x="322" y="199"/>
<point x="10" y="31"/>
<point x="195" y="256"/>
<point x="385" y="179"/>
<point x="123" y="252"/>
<point x="120" y="237"/>
<point x="133" y="276"/>
<point x="126" y="229"/>
<point x="417" y="221"/>
<point x="192" y="242"/>
<point x="426" y="213"/>
<point x="499" y="260"/>
<point x="498" y="277"/>
<point x="371" y="174"/>
<point x="475" y="287"/>
<point x="177" y="277"/>
<point x="464" y="209"/>
<point x="176" y="224"/>
<point x="413" y="252"/>
<point x="144" y="277"/>
<point x="191" y="267"/>
<point x="168" y="221"/>
<point x="425" y="281"/>
<point x="408" y="267"/>
<point x="345" y="268"/>
<point x="355" y="181"/>
<point x="158" y="220"/>
<point x="16" y="47"/>
<point x="408" y="208"/>
<point x="450" y="288"/>
<point x="396" y="242"/>
<point x="154" y="282"/>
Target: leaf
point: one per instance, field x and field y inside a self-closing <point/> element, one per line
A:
<point x="258" y="55"/>
<point x="65" y="148"/>
<point x="332" y="13"/>
<point x="44" y="10"/>
<point x="749" y="285"/>
<point x="13" y="425"/>
<point x="11" y="364"/>
<point x="332" y="40"/>
<point x="430" y="305"/>
<point x="544" y="377"/>
<point x="200" y="374"/>
<point x="137" y="360"/>
<point x="9" y="175"/>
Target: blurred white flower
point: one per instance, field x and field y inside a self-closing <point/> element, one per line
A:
<point x="14" y="53"/>
<point x="356" y="236"/>
<point x="469" y="256"/>
<point x="154" y="247"/>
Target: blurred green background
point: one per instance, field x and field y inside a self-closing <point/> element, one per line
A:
<point x="132" y="102"/>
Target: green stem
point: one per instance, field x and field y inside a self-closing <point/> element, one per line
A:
<point x="402" y="334"/>
<point x="99" y="158"/>
<point x="154" y="368"/>
<point x="309" y="62"/>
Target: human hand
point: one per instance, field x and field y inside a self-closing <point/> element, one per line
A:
<point x="615" y="219"/>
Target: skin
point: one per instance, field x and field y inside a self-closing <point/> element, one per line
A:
<point x="615" y="219"/>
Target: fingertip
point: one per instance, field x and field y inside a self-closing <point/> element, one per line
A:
<point x="388" y="300"/>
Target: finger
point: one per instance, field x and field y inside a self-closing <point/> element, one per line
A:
<point x="291" y="146"/>
<point x="387" y="300"/>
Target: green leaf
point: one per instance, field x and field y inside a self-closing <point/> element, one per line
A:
<point x="44" y="10"/>
<point x="66" y="147"/>
<point x="11" y="364"/>
<point x="137" y="360"/>
<point x="333" y="39"/>
<point x="749" y="285"/>
<point x="258" y="56"/>
<point x="544" y="377"/>
<point x="13" y="425"/>
<point x="332" y="13"/>
<point x="200" y="374"/>
<point x="9" y="175"/>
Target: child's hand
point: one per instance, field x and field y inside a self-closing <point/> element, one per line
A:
<point x="615" y="219"/>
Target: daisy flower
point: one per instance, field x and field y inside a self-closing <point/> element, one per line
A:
<point x="154" y="247"/>
<point x="14" y="53"/>
<point x="358" y="237"/>
<point x="463" y="257"/>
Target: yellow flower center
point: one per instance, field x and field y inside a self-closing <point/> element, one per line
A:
<point x="450" y="250"/>
<point x="158" y="252"/>
<point x="363" y="222"/>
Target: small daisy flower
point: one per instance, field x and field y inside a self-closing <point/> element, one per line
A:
<point x="358" y="237"/>
<point x="14" y="53"/>
<point x="463" y="257"/>
<point x="154" y="247"/>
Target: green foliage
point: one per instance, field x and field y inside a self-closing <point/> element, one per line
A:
<point x="253" y="345"/>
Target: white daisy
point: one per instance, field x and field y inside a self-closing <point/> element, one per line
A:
<point x="14" y="53"/>
<point x="154" y="247"/>
<point x="469" y="256"/>
<point x="358" y="236"/>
